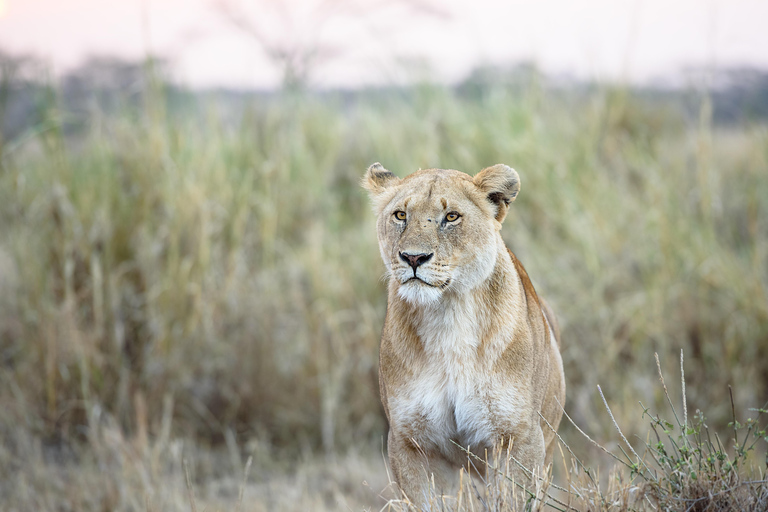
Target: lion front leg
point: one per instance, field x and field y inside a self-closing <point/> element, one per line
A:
<point x="526" y="457"/>
<point x="419" y="473"/>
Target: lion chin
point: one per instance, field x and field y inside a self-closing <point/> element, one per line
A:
<point x="419" y="293"/>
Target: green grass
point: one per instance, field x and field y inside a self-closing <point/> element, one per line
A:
<point x="191" y="276"/>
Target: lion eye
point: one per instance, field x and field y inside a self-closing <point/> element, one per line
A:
<point x="452" y="217"/>
<point x="400" y="215"/>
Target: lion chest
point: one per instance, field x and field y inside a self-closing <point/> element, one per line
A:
<point x="438" y="409"/>
<point x="454" y="397"/>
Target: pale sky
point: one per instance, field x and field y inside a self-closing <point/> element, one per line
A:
<point x="392" y="41"/>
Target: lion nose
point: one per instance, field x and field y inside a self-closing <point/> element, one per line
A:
<point x="415" y="260"/>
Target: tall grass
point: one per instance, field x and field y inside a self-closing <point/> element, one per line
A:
<point x="193" y="275"/>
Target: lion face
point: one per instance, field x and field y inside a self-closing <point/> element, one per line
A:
<point x="438" y="229"/>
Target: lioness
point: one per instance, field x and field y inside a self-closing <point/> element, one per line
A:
<point x="469" y="352"/>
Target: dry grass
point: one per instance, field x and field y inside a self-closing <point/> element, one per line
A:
<point x="177" y="280"/>
<point x="117" y="473"/>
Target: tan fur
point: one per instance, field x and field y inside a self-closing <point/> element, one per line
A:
<point x="469" y="352"/>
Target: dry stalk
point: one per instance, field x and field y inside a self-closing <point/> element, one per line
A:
<point x="190" y="491"/>
<point x="682" y="383"/>
<point x="595" y="443"/>
<point x="245" y="481"/>
<point x="666" y="392"/>
<point x="615" y="424"/>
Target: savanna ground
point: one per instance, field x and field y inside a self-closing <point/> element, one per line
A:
<point x="188" y="283"/>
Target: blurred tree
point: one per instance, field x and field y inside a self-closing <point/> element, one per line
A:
<point x="20" y="76"/>
<point x="741" y="95"/>
<point x="99" y="81"/>
<point x="293" y="33"/>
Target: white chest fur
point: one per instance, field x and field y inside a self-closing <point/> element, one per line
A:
<point x="455" y="397"/>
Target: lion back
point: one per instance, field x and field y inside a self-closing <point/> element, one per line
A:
<point x="530" y="292"/>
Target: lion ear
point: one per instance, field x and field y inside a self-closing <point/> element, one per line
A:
<point x="501" y="185"/>
<point x="377" y="179"/>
